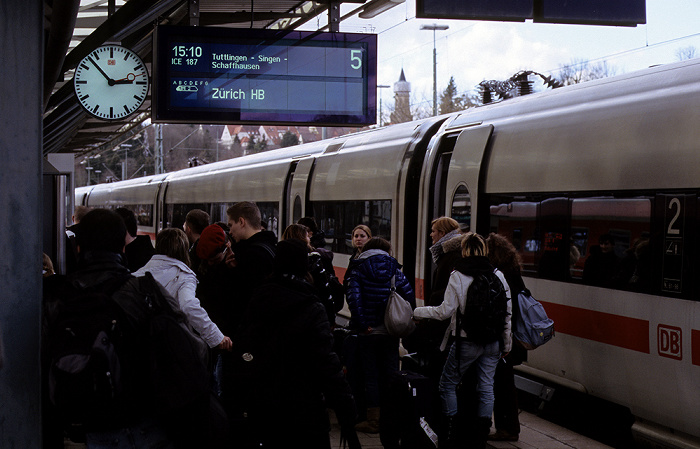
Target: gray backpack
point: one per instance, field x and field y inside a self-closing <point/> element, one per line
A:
<point x="533" y="328"/>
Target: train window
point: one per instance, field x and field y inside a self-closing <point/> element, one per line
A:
<point x="143" y="212"/>
<point x="516" y="219"/>
<point x="598" y="240"/>
<point x="176" y="213"/>
<point x="337" y="219"/>
<point x="610" y="234"/>
<point x="270" y="214"/>
<point x="462" y="207"/>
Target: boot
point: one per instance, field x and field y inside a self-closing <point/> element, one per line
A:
<point x="372" y="423"/>
<point x="483" y="428"/>
<point x="448" y="439"/>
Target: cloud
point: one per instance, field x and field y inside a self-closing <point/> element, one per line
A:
<point x="471" y="52"/>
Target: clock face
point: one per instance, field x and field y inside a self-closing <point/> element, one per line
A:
<point x="111" y="82"/>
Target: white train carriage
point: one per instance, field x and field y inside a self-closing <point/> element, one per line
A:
<point x="551" y="171"/>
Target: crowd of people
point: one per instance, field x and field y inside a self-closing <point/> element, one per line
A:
<point x="266" y="311"/>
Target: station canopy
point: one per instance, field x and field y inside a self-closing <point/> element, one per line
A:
<point x="74" y="28"/>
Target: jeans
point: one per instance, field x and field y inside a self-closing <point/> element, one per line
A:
<point x="462" y="354"/>
<point x="144" y="436"/>
<point x="370" y="361"/>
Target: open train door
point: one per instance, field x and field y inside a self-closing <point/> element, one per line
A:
<point x="296" y="190"/>
<point x="465" y="176"/>
<point x="453" y="187"/>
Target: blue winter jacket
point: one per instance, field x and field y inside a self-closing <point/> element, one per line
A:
<point x="369" y="286"/>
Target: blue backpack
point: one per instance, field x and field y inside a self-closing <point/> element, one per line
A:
<point x="533" y="328"/>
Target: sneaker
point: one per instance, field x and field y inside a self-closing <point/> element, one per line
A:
<point x="502" y="435"/>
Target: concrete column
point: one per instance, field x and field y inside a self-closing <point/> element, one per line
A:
<point x="21" y="35"/>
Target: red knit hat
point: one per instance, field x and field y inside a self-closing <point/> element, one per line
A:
<point x="211" y="242"/>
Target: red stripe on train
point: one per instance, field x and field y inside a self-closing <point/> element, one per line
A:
<point x="616" y="330"/>
<point x="695" y="346"/>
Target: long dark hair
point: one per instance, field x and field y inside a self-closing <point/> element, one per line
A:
<point x="172" y="242"/>
<point x="502" y="254"/>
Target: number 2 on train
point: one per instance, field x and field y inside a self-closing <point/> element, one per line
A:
<point x="671" y="230"/>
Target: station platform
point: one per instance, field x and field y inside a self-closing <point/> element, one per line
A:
<point x="535" y="433"/>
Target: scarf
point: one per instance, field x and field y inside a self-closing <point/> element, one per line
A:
<point x="436" y="250"/>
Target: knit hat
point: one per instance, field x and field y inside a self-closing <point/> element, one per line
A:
<point x="292" y="257"/>
<point x="211" y="242"/>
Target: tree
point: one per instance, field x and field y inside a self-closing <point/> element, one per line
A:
<point x="261" y="145"/>
<point x="579" y="71"/>
<point x="686" y="53"/>
<point x="250" y="148"/>
<point x="289" y="139"/>
<point x="450" y="101"/>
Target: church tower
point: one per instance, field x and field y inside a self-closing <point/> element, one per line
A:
<point x="402" y="106"/>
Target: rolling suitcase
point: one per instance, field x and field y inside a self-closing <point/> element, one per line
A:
<point x="408" y="414"/>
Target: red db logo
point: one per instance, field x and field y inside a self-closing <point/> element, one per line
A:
<point x="670" y="342"/>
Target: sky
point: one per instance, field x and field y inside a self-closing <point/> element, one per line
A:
<point x="473" y="51"/>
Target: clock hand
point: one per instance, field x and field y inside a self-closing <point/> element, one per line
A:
<point x="128" y="79"/>
<point x="110" y="81"/>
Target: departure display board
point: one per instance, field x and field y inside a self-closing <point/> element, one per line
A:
<point x="224" y="75"/>
<point x="589" y="12"/>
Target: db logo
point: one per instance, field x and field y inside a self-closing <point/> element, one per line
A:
<point x="670" y="342"/>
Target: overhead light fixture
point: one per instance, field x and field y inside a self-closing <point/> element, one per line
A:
<point x="376" y="7"/>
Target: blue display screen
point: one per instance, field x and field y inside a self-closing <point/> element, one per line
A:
<point x="215" y="75"/>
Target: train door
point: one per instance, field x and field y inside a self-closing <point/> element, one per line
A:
<point x="454" y="183"/>
<point x="296" y="190"/>
<point x="159" y="209"/>
<point x="465" y="178"/>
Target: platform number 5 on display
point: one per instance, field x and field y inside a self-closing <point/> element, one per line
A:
<point x="111" y="82"/>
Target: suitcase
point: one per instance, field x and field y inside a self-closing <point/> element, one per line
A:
<point x="408" y="414"/>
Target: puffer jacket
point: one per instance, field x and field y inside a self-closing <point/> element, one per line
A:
<point x="369" y="286"/>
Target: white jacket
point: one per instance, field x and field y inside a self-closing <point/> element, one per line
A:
<point x="456" y="295"/>
<point x="181" y="282"/>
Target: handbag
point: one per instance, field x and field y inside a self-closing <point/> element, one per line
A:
<point x="398" y="314"/>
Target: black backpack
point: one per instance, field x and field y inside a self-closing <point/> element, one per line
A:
<point x="84" y="344"/>
<point x="178" y="358"/>
<point x="486" y="310"/>
<point x="101" y="362"/>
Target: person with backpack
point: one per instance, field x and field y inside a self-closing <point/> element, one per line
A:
<point x="108" y="350"/>
<point x="504" y="256"/>
<point x="285" y="374"/>
<point x="170" y="266"/>
<point x="477" y="301"/>
<point x="328" y="288"/>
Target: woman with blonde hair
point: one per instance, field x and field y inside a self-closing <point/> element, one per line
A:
<point x="361" y="234"/>
<point x="170" y="267"/>
<point x="445" y="251"/>
<point x="468" y="349"/>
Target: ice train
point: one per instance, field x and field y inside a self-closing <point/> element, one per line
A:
<point x="552" y="171"/>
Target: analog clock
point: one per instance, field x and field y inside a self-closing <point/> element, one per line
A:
<point x="111" y="82"/>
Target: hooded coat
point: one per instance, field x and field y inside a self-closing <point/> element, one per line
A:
<point x="181" y="282"/>
<point x="456" y="297"/>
